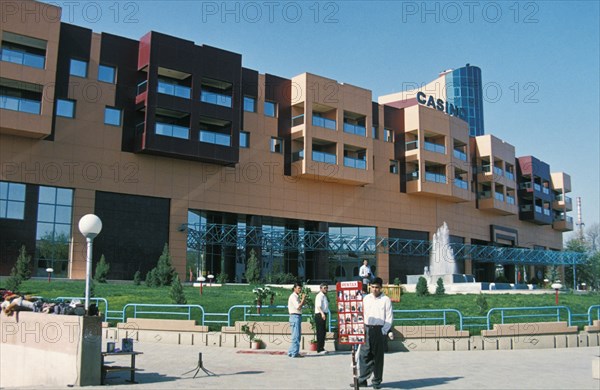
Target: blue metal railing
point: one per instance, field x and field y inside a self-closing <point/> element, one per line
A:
<point x="108" y="314"/>
<point x="554" y="313"/>
<point x="443" y="318"/>
<point x="590" y="311"/>
<point x="142" y="308"/>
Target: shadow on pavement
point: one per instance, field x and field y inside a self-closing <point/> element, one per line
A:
<point x="418" y="383"/>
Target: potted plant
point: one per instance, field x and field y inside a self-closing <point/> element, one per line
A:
<point x="312" y="346"/>
<point x="256" y="343"/>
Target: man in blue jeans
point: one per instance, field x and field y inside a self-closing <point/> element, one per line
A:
<point x="295" y="303"/>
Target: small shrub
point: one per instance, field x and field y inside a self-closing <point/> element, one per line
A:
<point x="222" y="278"/>
<point x="137" y="278"/>
<point x="422" y="289"/>
<point x="397" y="281"/>
<point x="482" y="304"/>
<point x="23" y="264"/>
<point x="102" y="269"/>
<point x="165" y="272"/>
<point x="13" y="282"/>
<point x="253" y="269"/>
<point x="176" y="294"/>
<point x="151" y="280"/>
<point x="440" y="290"/>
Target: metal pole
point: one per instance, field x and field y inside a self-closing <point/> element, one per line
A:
<point x="88" y="272"/>
<point x="574" y="276"/>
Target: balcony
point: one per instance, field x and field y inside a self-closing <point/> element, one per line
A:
<point x="22" y="57"/>
<point x="355" y="129"/>
<point x="173" y="89"/>
<point x="20" y="104"/>
<point x="563" y="224"/>
<point x="459" y="155"/>
<point x="320" y="121"/>
<point x="509" y="175"/>
<point x="297" y="156"/>
<point x="537" y="187"/>
<point x="497" y="203"/>
<point x="323" y="157"/>
<point x="546" y="190"/>
<point x="435" y="177"/>
<point x="412" y="145"/>
<point x="298" y="120"/>
<point x="460" y="183"/>
<point x="498" y="171"/>
<point x="499" y="196"/>
<point x="412" y="176"/>
<point x="174" y="131"/>
<point x="215" y="138"/>
<point x="434" y="147"/>
<point x="354" y="163"/>
<point x="215" y="98"/>
<point x="562" y="202"/>
<point x="510" y="200"/>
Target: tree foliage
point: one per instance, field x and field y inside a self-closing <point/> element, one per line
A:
<point x="20" y="272"/>
<point x="137" y="278"/>
<point x="253" y="269"/>
<point x="164" y="272"/>
<point x="440" y="290"/>
<point x="422" y="289"/>
<point x="102" y="269"/>
<point x="176" y="294"/>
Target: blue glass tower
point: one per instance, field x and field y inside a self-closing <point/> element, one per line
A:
<point x="464" y="89"/>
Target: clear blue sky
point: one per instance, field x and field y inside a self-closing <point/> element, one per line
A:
<point x="539" y="59"/>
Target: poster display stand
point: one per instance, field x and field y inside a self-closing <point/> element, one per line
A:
<point x="351" y="322"/>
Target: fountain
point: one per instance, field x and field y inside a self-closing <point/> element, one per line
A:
<point x="441" y="262"/>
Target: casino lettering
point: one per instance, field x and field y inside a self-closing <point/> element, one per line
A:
<point x="441" y="105"/>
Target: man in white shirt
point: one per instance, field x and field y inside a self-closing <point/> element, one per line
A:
<point x="365" y="273"/>
<point x="295" y="303"/>
<point x="321" y="312"/>
<point x="378" y="321"/>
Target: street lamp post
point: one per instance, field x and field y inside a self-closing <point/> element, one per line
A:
<point x="49" y="270"/>
<point x="556" y="286"/>
<point x="90" y="226"/>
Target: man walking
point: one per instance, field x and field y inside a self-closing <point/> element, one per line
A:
<point x="295" y="303"/>
<point x="378" y="321"/>
<point x="321" y="312"/>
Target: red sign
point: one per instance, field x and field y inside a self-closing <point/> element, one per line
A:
<point x="351" y="321"/>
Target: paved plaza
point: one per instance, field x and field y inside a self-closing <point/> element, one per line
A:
<point x="161" y="367"/>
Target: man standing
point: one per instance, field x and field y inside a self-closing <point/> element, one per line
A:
<point x="365" y="273"/>
<point x="321" y="312"/>
<point x="295" y="303"/>
<point x="378" y="321"/>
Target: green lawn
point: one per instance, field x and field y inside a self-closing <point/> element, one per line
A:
<point x="220" y="299"/>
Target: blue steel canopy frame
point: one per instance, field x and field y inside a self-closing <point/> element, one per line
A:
<point x="200" y="235"/>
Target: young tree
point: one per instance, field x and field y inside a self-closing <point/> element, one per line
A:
<point x="165" y="272"/>
<point x="137" y="278"/>
<point x="176" y="294"/>
<point x="253" y="269"/>
<point x="422" y="289"/>
<point x="23" y="264"/>
<point x="440" y="290"/>
<point x="102" y="269"/>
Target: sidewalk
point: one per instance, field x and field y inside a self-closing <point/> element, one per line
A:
<point x="161" y="367"/>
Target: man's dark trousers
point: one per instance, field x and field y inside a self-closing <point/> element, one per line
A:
<point x="321" y="330"/>
<point x="371" y="356"/>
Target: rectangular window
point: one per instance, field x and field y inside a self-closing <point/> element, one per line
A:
<point x="249" y="104"/>
<point x="112" y="116"/>
<point x="12" y="200"/>
<point x="244" y="139"/>
<point x="212" y="137"/>
<point x="23" y="50"/>
<point x="276" y="145"/>
<point x="20" y="96"/>
<point x="388" y="135"/>
<point x="106" y="74"/>
<point x="394" y="167"/>
<point x="65" y="108"/>
<point x="78" y="68"/>
<point x="270" y="109"/>
<point x="375" y="133"/>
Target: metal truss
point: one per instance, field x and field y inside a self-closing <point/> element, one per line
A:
<point x="279" y="240"/>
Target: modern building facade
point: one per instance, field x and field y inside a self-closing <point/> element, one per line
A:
<point x="170" y="142"/>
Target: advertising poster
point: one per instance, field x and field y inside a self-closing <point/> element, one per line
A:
<point x="351" y="323"/>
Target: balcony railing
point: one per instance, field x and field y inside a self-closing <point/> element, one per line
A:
<point x="355" y="163"/>
<point x="297" y="156"/>
<point x="215" y="98"/>
<point x="484" y="169"/>
<point x="412" y="145"/>
<point x="563" y="218"/>
<point x="324" y="122"/>
<point x="460" y="183"/>
<point x="526" y="207"/>
<point x="484" y="194"/>
<point x="355" y="129"/>
<point x="20" y="104"/>
<point x="537" y="187"/>
<point x="298" y="120"/>
<point x="174" y="131"/>
<point x="323" y="157"/>
<point x="509" y="175"/>
<point x="510" y="199"/>
<point x="434" y="147"/>
<point x="498" y="171"/>
<point x="460" y="155"/>
<point x="435" y="177"/>
<point x="537" y="209"/>
<point x="215" y="138"/>
<point x="142" y="87"/>
<point x="412" y="176"/>
<point x="499" y="196"/>
<point x="23" y="58"/>
<point x="546" y="211"/>
<point x="526" y="186"/>
<point x="546" y="190"/>
<point x="567" y="199"/>
<point x="174" y="89"/>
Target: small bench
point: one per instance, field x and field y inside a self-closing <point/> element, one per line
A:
<point x="594" y="328"/>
